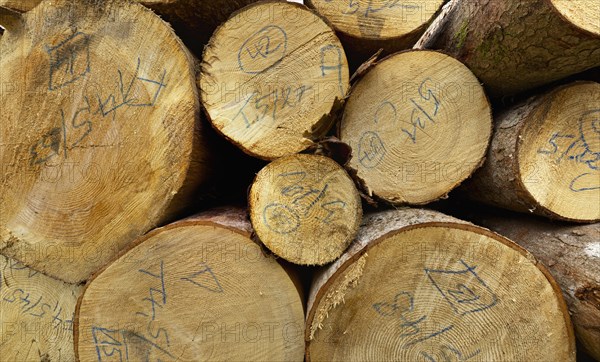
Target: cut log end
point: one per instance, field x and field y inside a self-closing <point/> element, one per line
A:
<point x="37" y="314"/>
<point x="192" y="290"/>
<point x="584" y="14"/>
<point x="439" y="290"/>
<point x="364" y="20"/>
<point x="272" y="96"/>
<point x="96" y="143"/>
<point x="305" y="209"/>
<point x="559" y="153"/>
<point x="419" y="124"/>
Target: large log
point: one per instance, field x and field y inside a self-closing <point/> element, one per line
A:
<point x="421" y="286"/>
<point x="512" y="46"/>
<point x="36" y="315"/>
<point x="365" y="26"/>
<point x="305" y="209"/>
<point x="198" y="289"/>
<point x="271" y="77"/>
<point x="419" y="124"/>
<point x="545" y="156"/>
<point x="100" y="139"/>
<point x="572" y="254"/>
<point x="193" y="20"/>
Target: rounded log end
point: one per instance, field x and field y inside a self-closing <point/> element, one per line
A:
<point x="305" y="209"/>
<point x="584" y="14"/>
<point x="419" y="124"/>
<point x="273" y="94"/>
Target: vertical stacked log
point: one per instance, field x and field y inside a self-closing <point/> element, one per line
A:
<point x="367" y="26"/>
<point x="419" y="124"/>
<point x="272" y="78"/>
<point x="572" y="253"/>
<point x="305" y="208"/>
<point x="512" y="46"/>
<point x="418" y="285"/>
<point x="37" y="315"/>
<point x="100" y="138"/>
<point x="199" y="289"/>
<point x="545" y="156"/>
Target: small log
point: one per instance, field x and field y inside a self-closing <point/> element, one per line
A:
<point x="512" y="46"/>
<point x="97" y="146"/>
<point x="37" y="315"/>
<point x="196" y="289"/>
<point x="545" y="156"/>
<point x="572" y="254"/>
<point x="418" y="285"/>
<point x="416" y="134"/>
<point x="272" y="76"/>
<point x="305" y="209"/>
<point x="364" y="27"/>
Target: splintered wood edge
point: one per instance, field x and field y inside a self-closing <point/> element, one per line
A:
<point x="367" y="68"/>
<point x="299" y="243"/>
<point x="583" y="15"/>
<point x="544" y="104"/>
<point x="320" y="127"/>
<point x="213" y="218"/>
<point x="362" y="254"/>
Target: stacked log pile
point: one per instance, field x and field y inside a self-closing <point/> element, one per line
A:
<point x="269" y="181"/>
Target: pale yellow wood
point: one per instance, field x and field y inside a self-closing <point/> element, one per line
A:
<point x="305" y="209"/>
<point x="545" y="156"/>
<point x="192" y="291"/>
<point x="100" y="138"/>
<point x="572" y="254"/>
<point x="419" y="124"/>
<point x="582" y="13"/>
<point x="436" y="290"/>
<point x="36" y="315"/>
<point x="271" y="76"/>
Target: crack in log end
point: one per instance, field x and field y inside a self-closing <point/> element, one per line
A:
<point x="336" y="296"/>
<point x="589" y="294"/>
<point x="12" y="241"/>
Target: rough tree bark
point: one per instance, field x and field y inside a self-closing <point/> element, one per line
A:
<point x="419" y="285"/>
<point x="512" y="46"/>
<point x="545" y="156"/>
<point x="417" y="134"/>
<point x="272" y="77"/>
<point x="101" y="137"/>
<point x="196" y="289"/>
<point x="572" y="254"/>
<point x="305" y="209"/>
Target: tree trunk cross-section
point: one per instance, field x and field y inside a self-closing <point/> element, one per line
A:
<point x="100" y="138"/>
<point x="419" y="124"/>
<point x="512" y="46"/>
<point x="545" y="156"/>
<point x="420" y="286"/>
<point x="271" y="77"/>
<point x="193" y="20"/>
<point x="572" y="253"/>
<point x="36" y="314"/>
<point x="199" y="289"/>
<point x="305" y="208"/>
<point x="365" y="26"/>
